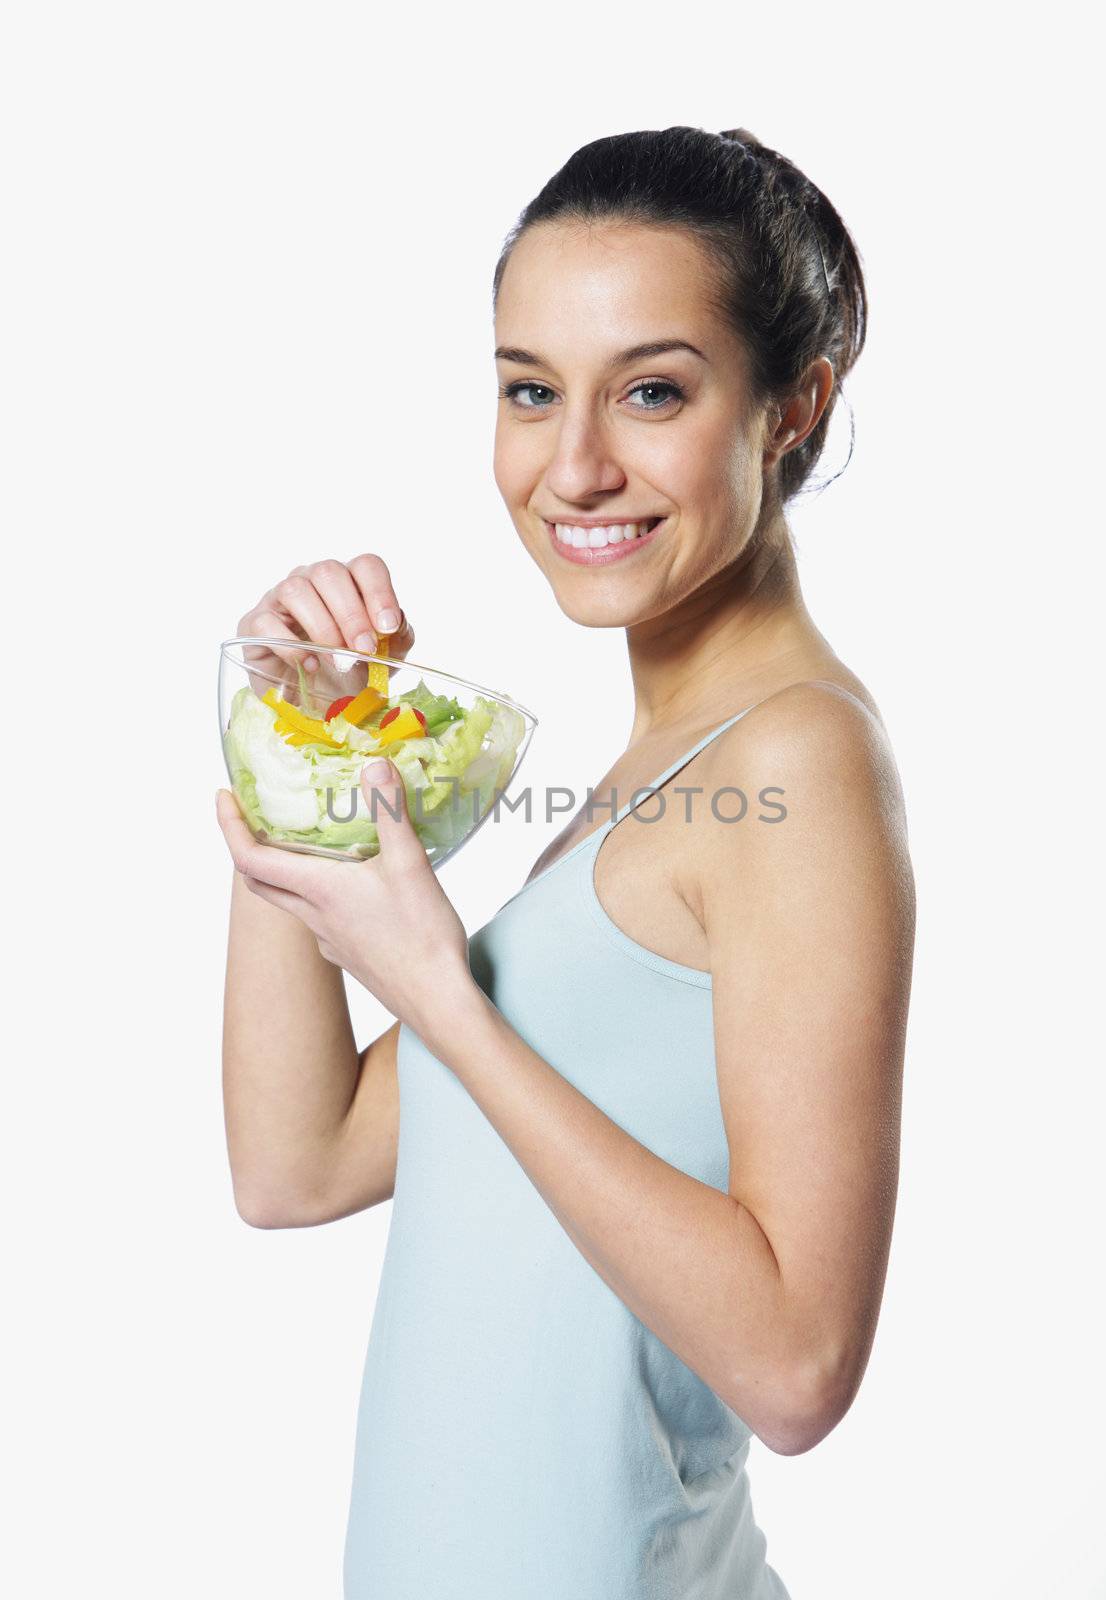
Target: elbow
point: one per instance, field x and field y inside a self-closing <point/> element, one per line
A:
<point x="797" y="1434"/>
<point x="276" y="1197"/>
<point x="260" y="1219"/>
<point x="256" y="1216"/>
<point x="269" y="1212"/>
<point x="807" y="1409"/>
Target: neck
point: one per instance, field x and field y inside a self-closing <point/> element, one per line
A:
<point x="739" y="637"/>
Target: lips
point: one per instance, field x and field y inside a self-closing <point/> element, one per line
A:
<point x="627" y="539"/>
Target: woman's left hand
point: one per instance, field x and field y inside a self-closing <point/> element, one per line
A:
<point x="387" y="920"/>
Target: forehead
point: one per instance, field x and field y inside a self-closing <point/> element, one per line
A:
<point x="575" y="284"/>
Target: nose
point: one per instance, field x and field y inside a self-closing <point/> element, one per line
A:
<point x="583" y="462"/>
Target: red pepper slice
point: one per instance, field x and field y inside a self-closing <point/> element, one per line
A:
<point x="337" y="706"/>
<point x="420" y="716"/>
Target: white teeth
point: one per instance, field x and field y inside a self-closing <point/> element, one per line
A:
<point x="595" y="538"/>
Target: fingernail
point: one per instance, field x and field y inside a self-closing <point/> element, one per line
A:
<point x="310" y="663"/>
<point x="387" y="621"/>
<point x="365" y="642"/>
<point x="376" y="771"/>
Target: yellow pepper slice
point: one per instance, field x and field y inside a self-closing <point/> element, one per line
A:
<point x="366" y="702"/>
<point x="296" y="722"/>
<point x="378" y="672"/>
<point x="405" y="726"/>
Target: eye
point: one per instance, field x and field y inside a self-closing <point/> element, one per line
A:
<point x="654" y="386"/>
<point x="512" y="391"/>
<point x="662" y="394"/>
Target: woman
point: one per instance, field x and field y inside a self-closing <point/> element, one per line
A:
<point x="650" y="1111"/>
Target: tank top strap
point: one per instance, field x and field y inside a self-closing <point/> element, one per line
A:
<point x="586" y="848"/>
<point x="670" y="771"/>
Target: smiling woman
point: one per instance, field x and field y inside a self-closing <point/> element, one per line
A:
<point x="644" y="1199"/>
<point x="641" y="1129"/>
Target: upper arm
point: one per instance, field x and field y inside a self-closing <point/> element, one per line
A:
<point x="810" y="924"/>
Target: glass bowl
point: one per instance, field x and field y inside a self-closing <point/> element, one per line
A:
<point x="294" y="759"/>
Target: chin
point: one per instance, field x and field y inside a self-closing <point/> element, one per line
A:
<point x="590" y="611"/>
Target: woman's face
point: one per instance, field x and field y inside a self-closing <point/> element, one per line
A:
<point x="591" y="436"/>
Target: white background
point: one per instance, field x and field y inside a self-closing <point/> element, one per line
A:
<point x="246" y="324"/>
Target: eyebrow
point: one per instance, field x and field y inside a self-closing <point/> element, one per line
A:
<point x="636" y="352"/>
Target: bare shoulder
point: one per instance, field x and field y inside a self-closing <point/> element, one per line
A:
<point x="816" y="732"/>
<point x="817" y="758"/>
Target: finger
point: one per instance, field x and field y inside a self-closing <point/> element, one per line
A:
<point x="384" y="791"/>
<point x="240" y="841"/>
<point x="262" y="663"/>
<point x="347" y="605"/>
<point x="261" y="863"/>
<point x="269" y="622"/>
<point x="401" y="642"/>
<point x="294" y="903"/>
<point x="374" y="581"/>
<point x="299" y="596"/>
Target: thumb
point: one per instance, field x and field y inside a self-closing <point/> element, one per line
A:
<point x="384" y="790"/>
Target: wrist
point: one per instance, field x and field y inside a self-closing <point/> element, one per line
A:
<point x="458" y="1009"/>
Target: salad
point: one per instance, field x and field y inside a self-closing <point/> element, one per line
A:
<point x="297" y="777"/>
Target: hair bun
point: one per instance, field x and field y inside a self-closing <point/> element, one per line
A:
<point x="742" y="136"/>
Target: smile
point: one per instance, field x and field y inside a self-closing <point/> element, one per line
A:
<point x="598" y="544"/>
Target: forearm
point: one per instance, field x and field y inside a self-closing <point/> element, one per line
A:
<point x="687" y="1259"/>
<point x="290" y="1062"/>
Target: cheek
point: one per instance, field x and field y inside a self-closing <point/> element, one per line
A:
<point x="499" y="462"/>
<point x="513" y="463"/>
<point x="712" y="472"/>
<point x="701" y="466"/>
<point x="736" y="463"/>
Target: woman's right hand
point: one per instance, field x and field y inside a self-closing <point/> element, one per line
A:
<point x="348" y="605"/>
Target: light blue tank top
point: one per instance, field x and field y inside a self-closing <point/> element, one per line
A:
<point x="521" y="1435"/>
